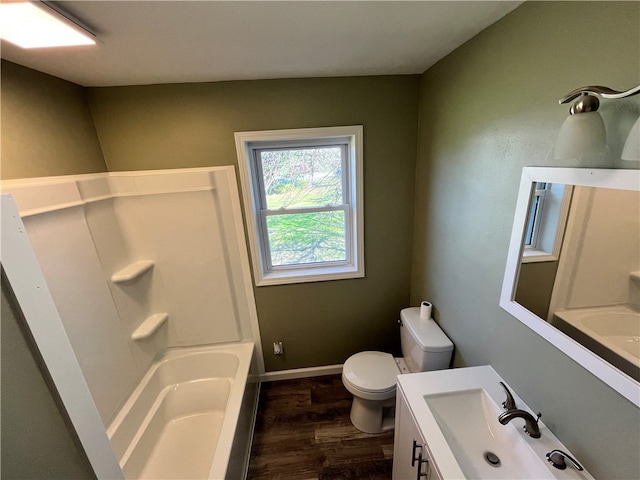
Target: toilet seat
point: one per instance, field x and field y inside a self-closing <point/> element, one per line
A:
<point x="371" y="375"/>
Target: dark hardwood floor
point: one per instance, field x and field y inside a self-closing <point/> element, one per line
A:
<point x="303" y="432"/>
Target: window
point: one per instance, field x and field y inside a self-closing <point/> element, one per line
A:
<point x="546" y="221"/>
<point x="302" y="192"/>
<point x="536" y="210"/>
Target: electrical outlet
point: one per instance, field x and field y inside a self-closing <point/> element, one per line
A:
<point x="278" y="349"/>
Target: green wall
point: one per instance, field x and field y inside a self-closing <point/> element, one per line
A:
<point x="47" y="128"/>
<point x="535" y="286"/>
<point x="193" y="125"/>
<point x="38" y="441"/>
<point x="486" y="111"/>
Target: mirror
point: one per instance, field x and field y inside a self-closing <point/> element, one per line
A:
<point x="573" y="268"/>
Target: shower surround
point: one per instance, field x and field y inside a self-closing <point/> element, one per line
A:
<point x="139" y="264"/>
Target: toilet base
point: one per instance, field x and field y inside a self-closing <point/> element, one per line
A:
<point x="370" y="416"/>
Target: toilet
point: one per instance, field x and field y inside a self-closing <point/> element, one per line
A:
<point x="371" y="376"/>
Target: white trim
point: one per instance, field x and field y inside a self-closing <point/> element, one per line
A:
<point x="615" y="179"/>
<point x="301" y="373"/>
<point x="42" y="318"/>
<point x="246" y="142"/>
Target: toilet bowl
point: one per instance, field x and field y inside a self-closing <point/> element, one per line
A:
<point x="371" y="376"/>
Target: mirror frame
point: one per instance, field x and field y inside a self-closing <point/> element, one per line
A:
<point x="607" y="178"/>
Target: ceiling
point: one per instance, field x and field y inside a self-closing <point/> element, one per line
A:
<point x="149" y="42"/>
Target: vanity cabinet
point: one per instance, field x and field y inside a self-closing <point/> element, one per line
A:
<point x="411" y="457"/>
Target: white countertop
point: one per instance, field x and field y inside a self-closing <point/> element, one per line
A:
<point x="416" y="386"/>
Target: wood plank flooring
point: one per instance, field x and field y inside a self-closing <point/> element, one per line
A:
<point x="303" y="432"/>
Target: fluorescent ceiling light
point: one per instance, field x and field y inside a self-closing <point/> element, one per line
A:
<point x="29" y="25"/>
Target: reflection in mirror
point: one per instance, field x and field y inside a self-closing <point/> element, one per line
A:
<point x="574" y="267"/>
<point x="541" y="245"/>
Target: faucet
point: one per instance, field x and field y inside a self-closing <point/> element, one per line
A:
<point x="530" y="423"/>
<point x="509" y="403"/>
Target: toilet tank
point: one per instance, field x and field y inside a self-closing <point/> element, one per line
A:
<point x="424" y="345"/>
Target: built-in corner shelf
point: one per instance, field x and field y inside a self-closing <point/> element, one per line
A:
<point x="635" y="276"/>
<point x="132" y="271"/>
<point x="149" y="326"/>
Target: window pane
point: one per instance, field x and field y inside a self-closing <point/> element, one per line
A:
<point x="300" y="238"/>
<point x="303" y="177"/>
<point x="531" y="221"/>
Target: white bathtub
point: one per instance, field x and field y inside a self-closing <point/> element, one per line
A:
<point x="612" y="332"/>
<point x="191" y="409"/>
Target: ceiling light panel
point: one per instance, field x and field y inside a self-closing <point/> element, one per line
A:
<point x="30" y="25"/>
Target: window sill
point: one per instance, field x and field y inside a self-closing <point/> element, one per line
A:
<point x="532" y="255"/>
<point x="309" y="275"/>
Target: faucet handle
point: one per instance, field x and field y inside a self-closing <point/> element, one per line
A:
<point x="557" y="457"/>
<point x="509" y="403"/>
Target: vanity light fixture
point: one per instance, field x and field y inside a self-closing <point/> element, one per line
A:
<point x="40" y="25"/>
<point x="583" y="135"/>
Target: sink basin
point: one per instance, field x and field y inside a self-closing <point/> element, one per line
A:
<point x="456" y="412"/>
<point x="482" y="446"/>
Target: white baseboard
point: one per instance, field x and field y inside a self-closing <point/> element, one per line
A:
<point x="300" y="373"/>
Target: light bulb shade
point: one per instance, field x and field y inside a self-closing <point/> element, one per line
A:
<point x="631" y="150"/>
<point x="581" y="137"/>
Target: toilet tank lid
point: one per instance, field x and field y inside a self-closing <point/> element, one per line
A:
<point x="428" y="334"/>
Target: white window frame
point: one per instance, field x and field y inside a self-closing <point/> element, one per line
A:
<point x="545" y="247"/>
<point x="535" y="219"/>
<point x="247" y="144"/>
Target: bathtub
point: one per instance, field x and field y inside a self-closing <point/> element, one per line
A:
<point x="612" y="332"/>
<point x="191" y="416"/>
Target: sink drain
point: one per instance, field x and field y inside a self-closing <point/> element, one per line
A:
<point x="492" y="459"/>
